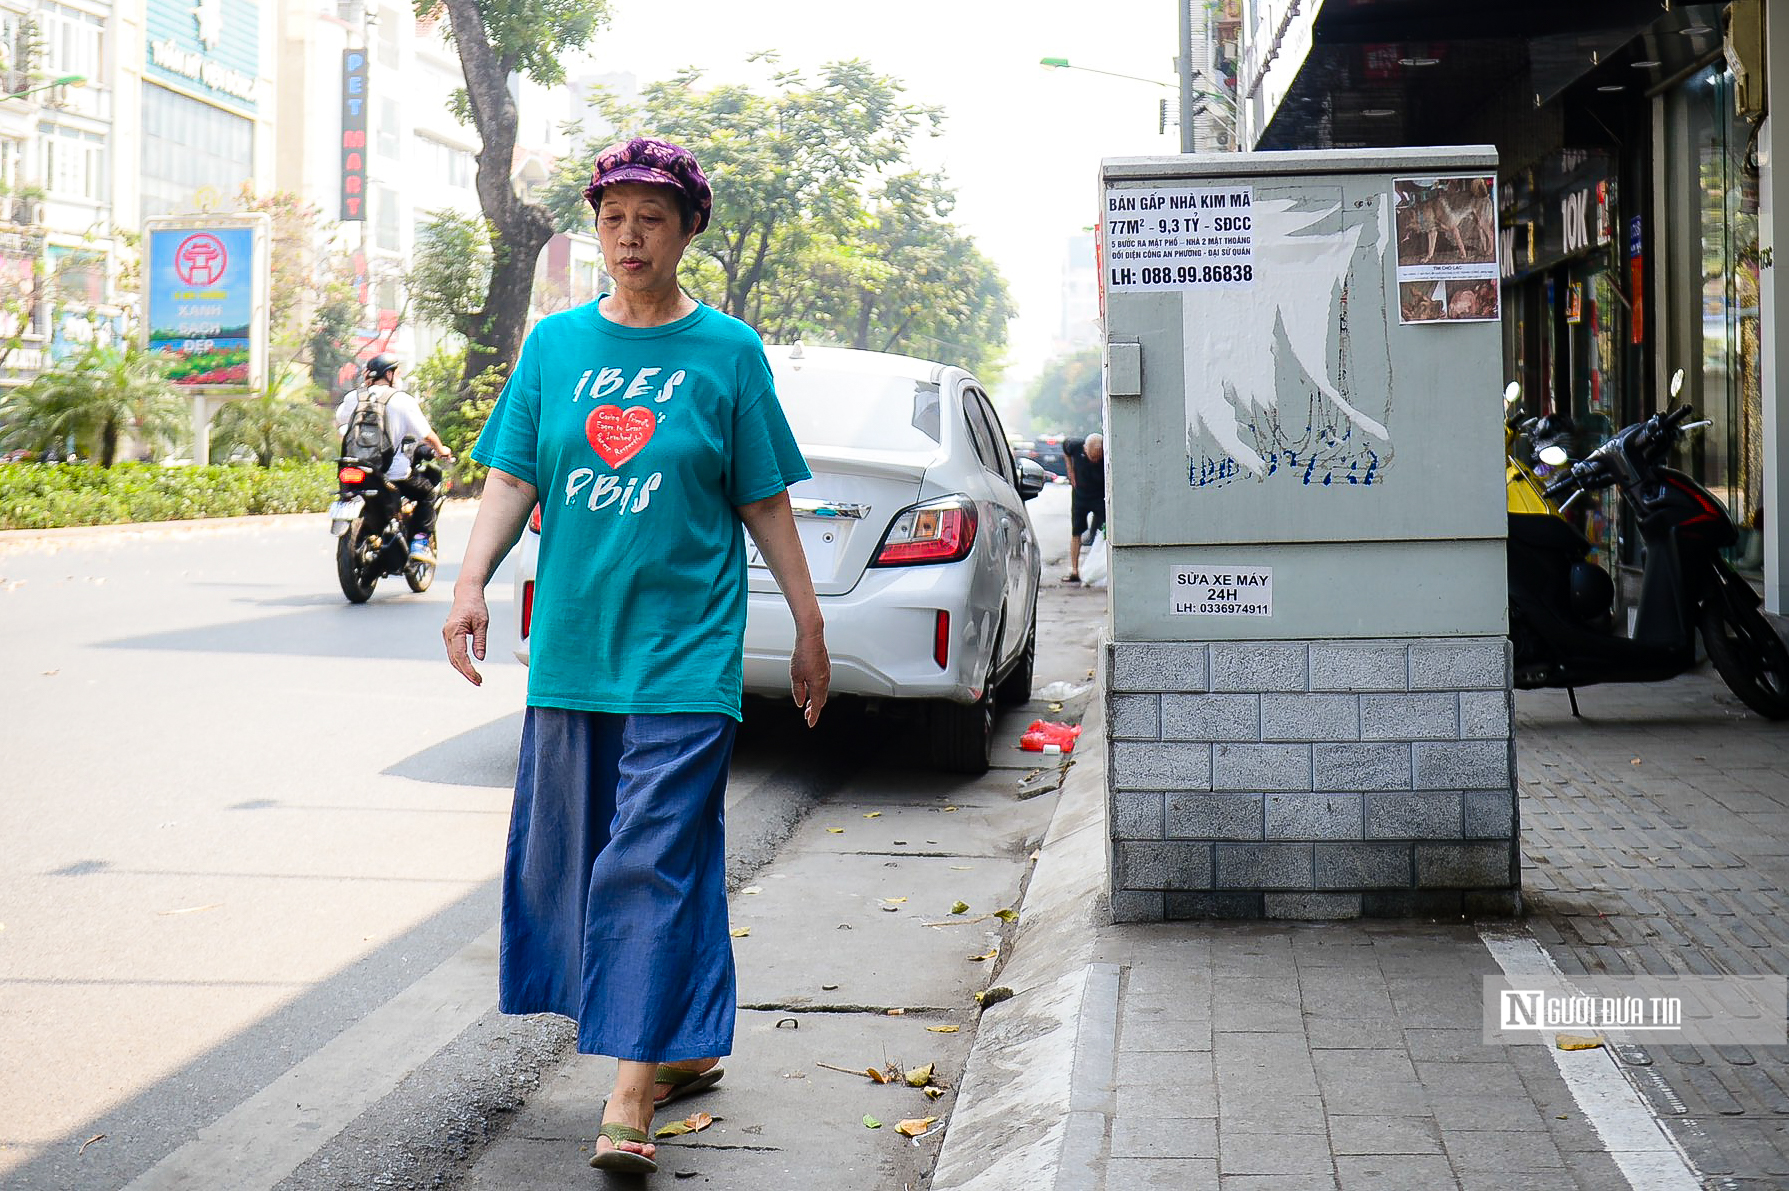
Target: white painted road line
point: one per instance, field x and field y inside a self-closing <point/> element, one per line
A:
<point x="1641" y="1149"/>
<point x="260" y="1142"/>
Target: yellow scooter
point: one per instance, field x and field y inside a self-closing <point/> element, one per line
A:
<point x="1526" y="491"/>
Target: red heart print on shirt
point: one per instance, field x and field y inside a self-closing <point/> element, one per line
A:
<point x="618" y="434"/>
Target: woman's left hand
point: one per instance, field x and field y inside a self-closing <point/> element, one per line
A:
<point x="772" y="524"/>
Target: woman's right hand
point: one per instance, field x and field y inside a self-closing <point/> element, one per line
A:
<point x="468" y="618"/>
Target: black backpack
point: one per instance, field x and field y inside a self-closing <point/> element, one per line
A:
<point x="367" y="441"/>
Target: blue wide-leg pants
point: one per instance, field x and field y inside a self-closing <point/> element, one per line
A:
<point x="614" y="882"/>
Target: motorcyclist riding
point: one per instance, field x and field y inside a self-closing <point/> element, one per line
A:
<point x="403" y="420"/>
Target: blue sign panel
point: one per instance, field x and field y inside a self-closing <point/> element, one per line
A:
<point x="201" y="303"/>
<point x="209" y="47"/>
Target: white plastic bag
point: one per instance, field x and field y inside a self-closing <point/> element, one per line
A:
<point x="1093" y="563"/>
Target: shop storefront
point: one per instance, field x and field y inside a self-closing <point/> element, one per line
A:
<point x="1567" y="322"/>
<point x="1708" y="204"/>
<point x="1630" y="198"/>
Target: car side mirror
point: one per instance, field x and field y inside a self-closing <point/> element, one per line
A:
<point x="1032" y="478"/>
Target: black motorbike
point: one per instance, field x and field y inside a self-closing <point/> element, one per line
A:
<point x="1562" y="604"/>
<point x="369" y="520"/>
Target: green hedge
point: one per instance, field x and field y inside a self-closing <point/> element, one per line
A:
<point x="50" y="495"/>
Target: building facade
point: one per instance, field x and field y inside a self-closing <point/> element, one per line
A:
<point x="1635" y="202"/>
<point x="183" y="106"/>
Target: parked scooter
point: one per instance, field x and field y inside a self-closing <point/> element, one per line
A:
<point x="1562" y="604"/>
<point x="1546" y="437"/>
<point x="368" y="520"/>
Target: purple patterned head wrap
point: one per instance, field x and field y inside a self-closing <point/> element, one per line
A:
<point x="660" y="163"/>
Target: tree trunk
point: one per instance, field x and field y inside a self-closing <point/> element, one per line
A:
<point x="518" y="229"/>
<point x="108" y="442"/>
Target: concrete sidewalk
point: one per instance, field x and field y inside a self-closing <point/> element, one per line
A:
<point x="1348" y="1055"/>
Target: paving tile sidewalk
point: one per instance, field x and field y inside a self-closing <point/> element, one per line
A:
<point x="1235" y="1055"/>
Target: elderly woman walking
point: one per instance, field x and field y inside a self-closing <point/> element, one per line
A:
<point x="646" y="426"/>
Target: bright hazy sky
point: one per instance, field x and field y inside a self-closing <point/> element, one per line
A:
<point x="1021" y="143"/>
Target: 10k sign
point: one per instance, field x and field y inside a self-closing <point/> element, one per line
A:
<point x="1221" y="591"/>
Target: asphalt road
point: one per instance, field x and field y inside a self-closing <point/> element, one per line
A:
<point x="252" y="834"/>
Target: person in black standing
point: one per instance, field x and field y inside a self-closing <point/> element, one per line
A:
<point x="1087" y="510"/>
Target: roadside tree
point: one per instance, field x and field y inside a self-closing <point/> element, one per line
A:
<point x="495" y="41"/>
<point x="1066" y="395"/>
<point x="822" y="229"/>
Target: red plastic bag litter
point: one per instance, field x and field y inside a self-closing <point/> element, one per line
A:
<point x="1043" y="733"/>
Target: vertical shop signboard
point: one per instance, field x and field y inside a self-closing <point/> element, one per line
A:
<point x="1636" y="263"/>
<point x="354" y="94"/>
<point x="206" y="302"/>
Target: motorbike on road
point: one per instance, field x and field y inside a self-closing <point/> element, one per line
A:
<point x="1562" y="604"/>
<point x="368" y="520"/>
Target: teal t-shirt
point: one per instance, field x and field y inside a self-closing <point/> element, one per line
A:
<point x="641" y="441"/>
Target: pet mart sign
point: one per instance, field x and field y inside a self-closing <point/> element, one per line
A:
<point x="1221" y="591"/>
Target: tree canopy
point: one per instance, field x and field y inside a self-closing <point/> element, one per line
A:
<point x="1066" y="395"/>
<point x="527" y="37"/>
<point x="822" y="229"/>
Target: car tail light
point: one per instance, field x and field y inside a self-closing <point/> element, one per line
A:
<point x="534" y="520"/>
<point x="527" y="607"/>
<point x="937" y="531"/>
<point x="941" y="639"/>
<point x="352" y="475"/>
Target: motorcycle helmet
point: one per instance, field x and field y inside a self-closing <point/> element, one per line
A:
<point x="1592" y="593"/>
<point x="381" y="366"/>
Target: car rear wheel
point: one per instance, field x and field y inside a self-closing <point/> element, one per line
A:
<point x="963" y="734"/>
<point x="1015" y="688"/>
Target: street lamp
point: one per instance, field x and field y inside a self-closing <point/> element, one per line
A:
<point x="1190" y="97"/>
<point x="67" y="80"/>
<point x="1064" y="64"/>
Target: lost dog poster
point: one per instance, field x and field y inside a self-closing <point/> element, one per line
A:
<point x="1447" y="249"/>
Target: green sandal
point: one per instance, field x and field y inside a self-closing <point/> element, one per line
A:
<point x="619" y="1159"/>
<point x="685" y="1082"/>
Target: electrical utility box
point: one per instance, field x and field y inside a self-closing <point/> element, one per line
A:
<point x="1308" y="675"/>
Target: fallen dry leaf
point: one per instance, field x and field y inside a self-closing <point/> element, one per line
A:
<point x="959" y="907"/>
<point x="943" y="1029"/>
<point x="949" y="809"/>
<point x="694" y="1123"/>
<point x="870" y="1122"/>
<point x="1007" y="915"/>
<point x="740" y="932"/>
<point x="993" y="996"/>
<point x="873" y="815"/>
<point x="836" y="830"/>
<point x="875" y="1075"/>
<point x="919" y="1077"/>
<point x="933" y="1091"/>
<point x="752" y="890"/>
<point x="895" y="900"/>
<point x="915" y="1126"/>
<point x="1577" y="1041"/>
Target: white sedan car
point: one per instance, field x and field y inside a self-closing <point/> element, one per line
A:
<point x="916" y="534"/>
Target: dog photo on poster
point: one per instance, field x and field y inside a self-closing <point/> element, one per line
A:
<point x="1447" y="248"/>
